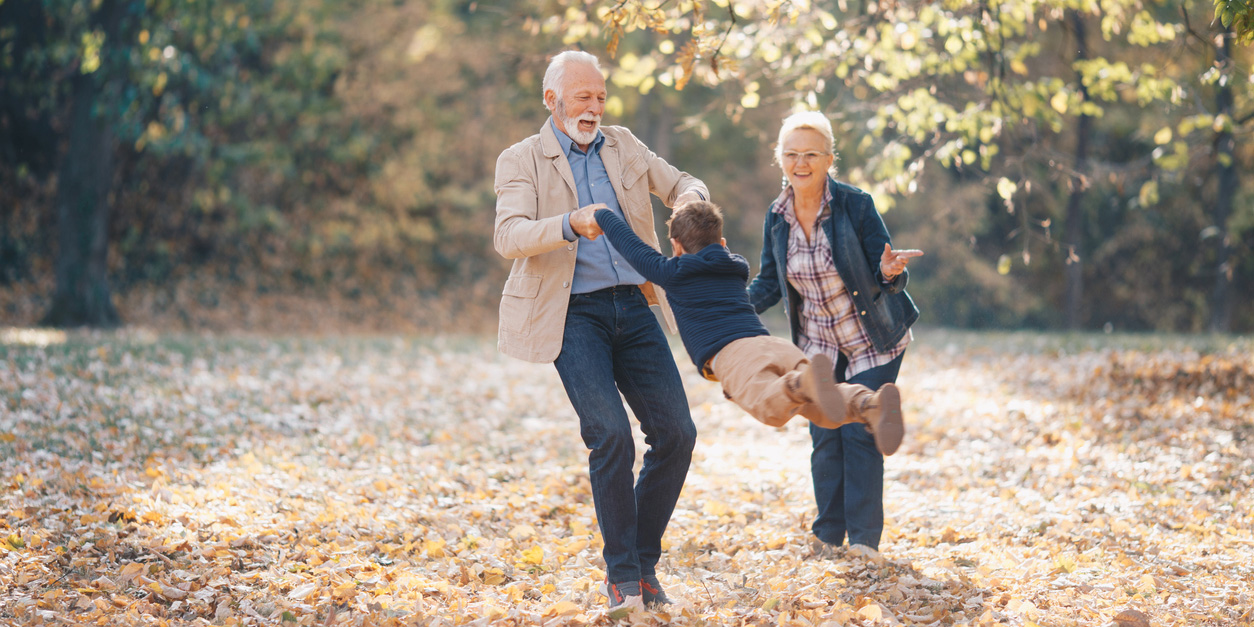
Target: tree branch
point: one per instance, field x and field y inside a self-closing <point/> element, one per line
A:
<point x="731" y="13"/>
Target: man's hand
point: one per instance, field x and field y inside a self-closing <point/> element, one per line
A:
<point x="893" y="262"/>
<point x="583" y="221"/>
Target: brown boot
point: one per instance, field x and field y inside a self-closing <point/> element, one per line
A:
<point x="818" y="386"/>
<point x="881" y="410"/>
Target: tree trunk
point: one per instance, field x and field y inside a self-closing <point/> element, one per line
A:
<point x="85" y="181"/>
<point x="1074" y="234"/>
<point x="83" y="185"/>
<point x="1225" y="147"/>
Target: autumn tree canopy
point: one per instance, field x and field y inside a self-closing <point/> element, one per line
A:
<point x="1066" y="164"/>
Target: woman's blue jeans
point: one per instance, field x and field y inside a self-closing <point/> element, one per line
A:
<point x="848" y="471"/>
<point x="612" y="344"/>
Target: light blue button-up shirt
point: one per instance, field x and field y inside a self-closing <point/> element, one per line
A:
<point x="597" y="264"/>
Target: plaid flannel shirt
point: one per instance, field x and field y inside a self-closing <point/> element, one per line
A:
<point x="828" y="318"/>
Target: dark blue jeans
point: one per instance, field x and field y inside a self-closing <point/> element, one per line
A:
<point x="612" y="343"/>
<point x="848" y="471"/>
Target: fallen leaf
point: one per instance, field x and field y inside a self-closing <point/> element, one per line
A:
<point x="1131" y="618"/>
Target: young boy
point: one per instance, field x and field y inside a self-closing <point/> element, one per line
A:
<point x="766" y="376"/>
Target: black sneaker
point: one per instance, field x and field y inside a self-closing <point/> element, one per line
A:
<point x="624" y="595"/>
<point x="652" y="592"/>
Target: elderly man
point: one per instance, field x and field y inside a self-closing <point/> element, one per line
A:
<point x="572" y="300"/>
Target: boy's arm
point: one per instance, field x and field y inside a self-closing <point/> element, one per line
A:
<point x="651" y="264"/>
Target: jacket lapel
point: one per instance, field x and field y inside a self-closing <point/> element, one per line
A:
<point x="553" y="152"/>
<point x="613" y="168"/>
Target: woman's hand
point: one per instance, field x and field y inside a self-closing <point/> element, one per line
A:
<point x="893" y="262"/>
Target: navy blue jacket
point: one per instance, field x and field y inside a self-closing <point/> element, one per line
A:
<point x="857" y="235"/>
<point x="706" y="289"/>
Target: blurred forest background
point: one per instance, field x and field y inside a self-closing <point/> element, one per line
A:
<point x="326" y="165"/>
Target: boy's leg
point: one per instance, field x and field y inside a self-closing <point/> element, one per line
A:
<point x="881" y="411"/>
<point x="757" y="374"/>
<point x="771" y="378"/>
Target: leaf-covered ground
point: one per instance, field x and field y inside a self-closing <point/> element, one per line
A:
<point x="183" y="480"/>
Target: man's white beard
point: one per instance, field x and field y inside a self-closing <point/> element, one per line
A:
<point x="572" y="126"/>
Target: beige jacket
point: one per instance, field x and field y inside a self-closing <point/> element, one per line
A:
<point x="534" y="189"/>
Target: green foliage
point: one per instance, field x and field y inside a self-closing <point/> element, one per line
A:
<point x="1237" y="15"/>
<point x="348" y="147"/>
<point x="986" y="93"/>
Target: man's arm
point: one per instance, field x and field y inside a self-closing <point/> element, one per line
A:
<point x="651" y="264"/>
<point x="519" y="232"/>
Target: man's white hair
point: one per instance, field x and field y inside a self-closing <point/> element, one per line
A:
<point x="813" y="120"/>
<point x="555" y="76"/>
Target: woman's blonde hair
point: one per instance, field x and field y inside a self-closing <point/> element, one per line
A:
<point x="813" y="120"/>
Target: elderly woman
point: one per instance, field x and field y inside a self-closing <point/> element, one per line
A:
<point x="826" y="248"/>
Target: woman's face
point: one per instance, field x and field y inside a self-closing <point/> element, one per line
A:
<point x="805" y="159"/>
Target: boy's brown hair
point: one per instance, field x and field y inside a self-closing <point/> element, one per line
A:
<point x="696" y="224"/>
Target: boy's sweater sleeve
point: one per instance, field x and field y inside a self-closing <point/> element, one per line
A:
<point x="651" y="264"/>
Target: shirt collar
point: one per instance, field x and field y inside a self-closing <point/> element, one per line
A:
<point x="568" y="144"/>
<point x="783" y="203"/>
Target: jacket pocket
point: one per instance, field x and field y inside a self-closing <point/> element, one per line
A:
<point x="517" y="302"/>
<point x="634" y="172"/>
<point x="635" y="201"/>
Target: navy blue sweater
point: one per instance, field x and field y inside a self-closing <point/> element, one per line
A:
<point x="706" y="289"/>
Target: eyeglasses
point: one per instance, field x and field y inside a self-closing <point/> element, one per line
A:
<point x="803" y="156"/>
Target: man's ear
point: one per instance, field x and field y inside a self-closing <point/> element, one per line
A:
<point x="677" y="247"/>
<point x="550" y="99"/>
<point x="723" y="242"/>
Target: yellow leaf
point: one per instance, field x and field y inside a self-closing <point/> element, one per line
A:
<point x="493" y="576"/>
<point x="130" y="571"/>
<point x="715" y="508"/>
<point x="300" y="593"/>
<point x="574" y="546"/>
<point x="522" y="532"/>
<point x="345" y="590"/>
<point x="750" y="100"/>
<point x="533" y="555"/>
<point x="1149" y="193"/>
<point x="562" y="608"/>
<point x="871" y="612"/>
<point x="1059" y="102"/>
<point x="1003" y="265"/>
<point x="1163" y="135"/>
<point x="168" y="592"/>
<point x="1006" y="188"/>
<point x="435" y="548"/>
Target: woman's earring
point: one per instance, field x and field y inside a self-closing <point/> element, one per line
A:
<point x="783" y="183"/>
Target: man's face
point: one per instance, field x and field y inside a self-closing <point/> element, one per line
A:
<point x="578" y="112"/>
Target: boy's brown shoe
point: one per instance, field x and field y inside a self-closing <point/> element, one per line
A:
<point x="881" y="410"/>
<point x="818" y="385"/>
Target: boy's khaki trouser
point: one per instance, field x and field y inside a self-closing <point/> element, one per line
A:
<point x="757" y="373"/>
